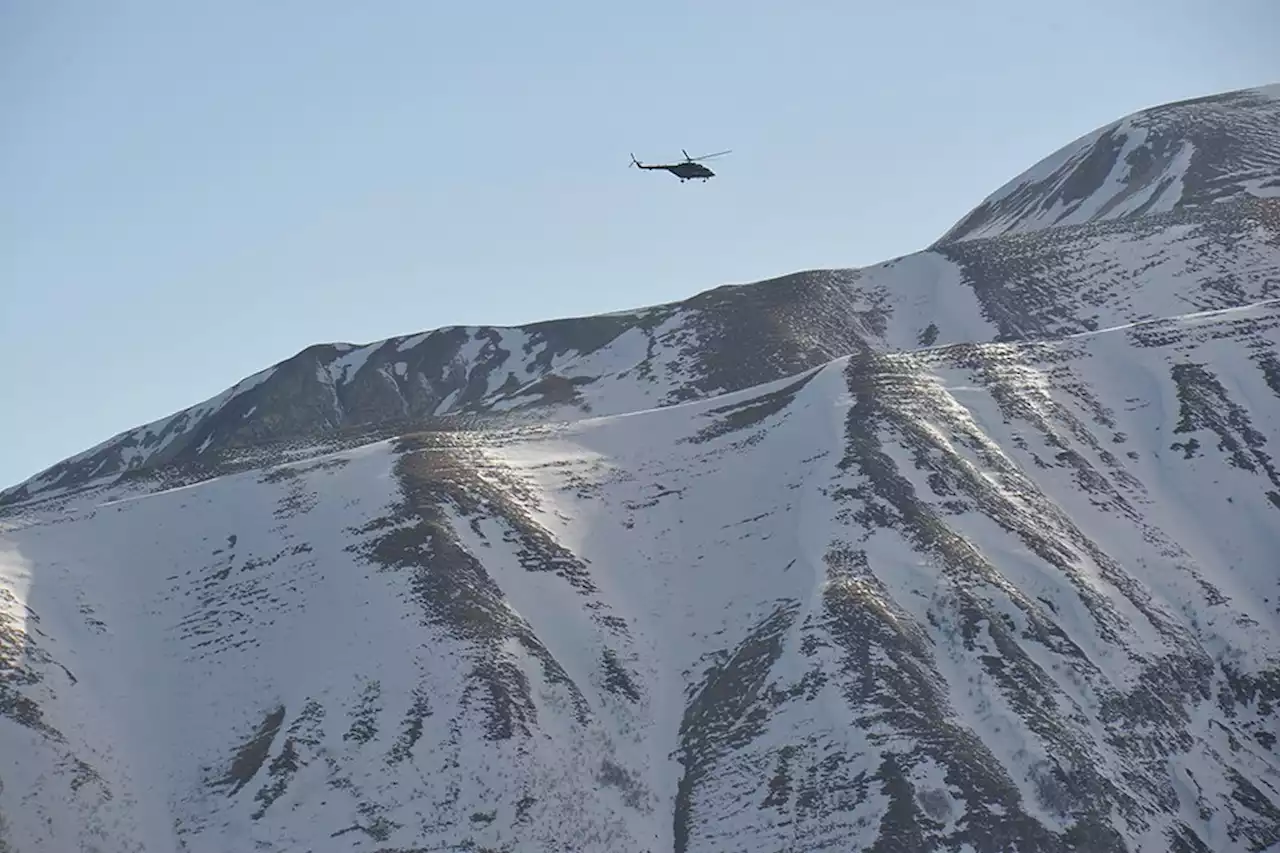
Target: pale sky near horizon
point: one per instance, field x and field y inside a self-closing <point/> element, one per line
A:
<point x="192" y="192"/>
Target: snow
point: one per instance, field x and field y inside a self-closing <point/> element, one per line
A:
<point x="689" y="546"/>
<point x="1267" y="186"/>
<point x="614" y="367"/>
<point x="1033" y="200"/>
<point x="247" y="384"/>
<point x="413" y="341"/>
<point x="445" y="404"/>
<point x="1066" y="156"/>
<point x="1110" y="200"/>
<point x="927" y="289"/>
<point x="129" y="443"/>
<point x="15" y="578"/>
<point x="474" y="346"/>
<point x="1165" y="193"/>
<point x="154" y="705"/>
<point x="1112" y="186"/>
<point x="344" y="368"/>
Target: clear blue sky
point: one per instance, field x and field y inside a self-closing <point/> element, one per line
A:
<point x="190" y="192"/>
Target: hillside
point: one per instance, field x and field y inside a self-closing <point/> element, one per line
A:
<point x="972" y="550"/>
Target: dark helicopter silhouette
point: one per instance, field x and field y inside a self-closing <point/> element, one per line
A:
<point x="689" y="168"/>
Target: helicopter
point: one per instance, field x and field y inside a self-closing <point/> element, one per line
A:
<point x="689" y="168"/>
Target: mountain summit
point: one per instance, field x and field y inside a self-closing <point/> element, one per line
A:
<point x="1180" y="156"/>
<point x="972" y="550"/>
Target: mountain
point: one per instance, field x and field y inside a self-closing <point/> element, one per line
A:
<point x="972" y="550"/>
<point x="1187" y="155"/>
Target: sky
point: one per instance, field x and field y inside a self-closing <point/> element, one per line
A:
<point x="191" y="192"/>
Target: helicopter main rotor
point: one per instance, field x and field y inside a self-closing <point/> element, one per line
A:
<point x="689" y="159"/>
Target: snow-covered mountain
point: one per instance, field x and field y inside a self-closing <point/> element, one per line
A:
<point x="974" y="550"/>
<point x="1181" y="156"/>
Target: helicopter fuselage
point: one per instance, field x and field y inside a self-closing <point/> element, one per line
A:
<point x="689" y="170"/>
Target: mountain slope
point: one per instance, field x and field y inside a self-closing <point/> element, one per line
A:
<point x="564" y="368"/>
<point x="971" y="550"/>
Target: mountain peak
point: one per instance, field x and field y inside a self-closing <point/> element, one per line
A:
<point x="1175" y="156"/>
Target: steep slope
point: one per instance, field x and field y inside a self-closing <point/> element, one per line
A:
<point x="959" y="596"/>
<point x="967" y="550"/>
<point x="1180" y="156"/>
